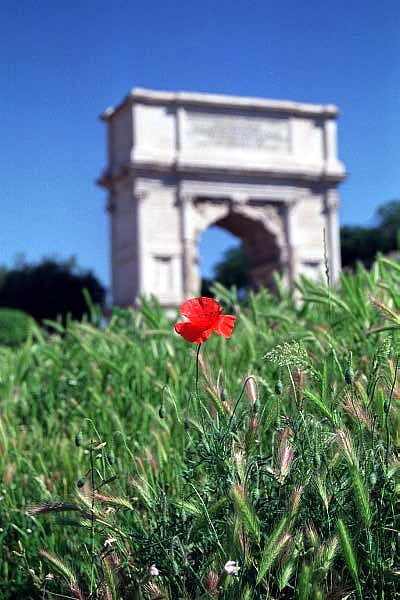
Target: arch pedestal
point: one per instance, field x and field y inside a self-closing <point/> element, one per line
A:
<point x="179" y="163"/>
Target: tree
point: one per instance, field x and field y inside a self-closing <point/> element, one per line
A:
<point x="358" y="244"/>
<point x="233" y="269"/>
<point x="3" y="273"/>
<point x="388" y="216"/>
<point x="50" y="289"/>
<point x="363" y="243"/>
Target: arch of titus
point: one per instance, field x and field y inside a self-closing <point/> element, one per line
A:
<point x="267" y="171"/>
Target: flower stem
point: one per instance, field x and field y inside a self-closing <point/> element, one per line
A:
<point x="387" y="411"/>
<point x="92" y="518"/>
<point x="197" y="369"/>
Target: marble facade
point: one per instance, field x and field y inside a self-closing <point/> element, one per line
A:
<point x="265" y="170"/>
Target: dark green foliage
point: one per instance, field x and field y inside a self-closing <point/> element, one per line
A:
<point x="363" y="243"/>
<point x="232" y="270"/>
<point x="50" y="289"/>
<point x="358" y="244"/>
<point x="349" y="376"/>
<point x="388" y="217"/>
<point x="15" y="327"/>
<point x="110" y="457"/>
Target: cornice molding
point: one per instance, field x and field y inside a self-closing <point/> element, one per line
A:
<point x="329" y="177"/>
<point x="226" y="102"/>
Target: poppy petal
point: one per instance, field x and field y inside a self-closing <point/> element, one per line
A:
<point x="192" y="333"/>
<point x="224" y="326"/>
<point x="202" y="308"/>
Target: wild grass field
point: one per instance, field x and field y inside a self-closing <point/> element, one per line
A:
<point x="268" y="469"/>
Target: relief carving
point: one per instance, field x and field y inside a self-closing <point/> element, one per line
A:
<point x="268" y="215"/>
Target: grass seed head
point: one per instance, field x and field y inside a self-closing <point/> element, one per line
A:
<point x="76" y="591"/>
<point x="284" y="453"/>
<point x="353" y="407"/>
<point x="9" y="472"/>
<point x="295" y="500"/>
<point x="325" y="555"/>
<point x="251" y="390"/>
<point x="211" y="583"/>
<point x="312" y="535"/>
<point x="154" y="592"/>
<point x="344" y="441"/>
<point x="254" y="424"/>
<point x="298" y="379"/>
<point x="152" y="461"/>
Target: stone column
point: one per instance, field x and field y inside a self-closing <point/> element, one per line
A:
<point x="291" y="250"/>
<point x="330" y="141"/>
<point x="178" y="130"/>
<point x="190" y="280"/>
<point x="138" y="200"/>
<point x="333" y="233"/>
<point x="110" y="208"/>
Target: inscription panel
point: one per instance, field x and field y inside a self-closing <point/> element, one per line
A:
<point x="237" y="131"/>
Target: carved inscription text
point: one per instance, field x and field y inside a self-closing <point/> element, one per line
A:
<point x="239" y="131"/>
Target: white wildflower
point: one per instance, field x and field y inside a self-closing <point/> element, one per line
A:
<point x="153" y="571"/>
<point x="231" y="567"/>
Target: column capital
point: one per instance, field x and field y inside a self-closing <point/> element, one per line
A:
<point x="186" y="197"/>
<point x="290" y="203"/>
<point x="332" y="201"/>
<point x="140" y="195"/>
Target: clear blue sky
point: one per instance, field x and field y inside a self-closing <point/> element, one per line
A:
<point x="63" y="63"/>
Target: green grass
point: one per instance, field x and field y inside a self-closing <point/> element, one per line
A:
<point x="293" y="474"/>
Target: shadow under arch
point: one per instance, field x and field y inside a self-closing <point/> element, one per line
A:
<point x="260" y="239"/>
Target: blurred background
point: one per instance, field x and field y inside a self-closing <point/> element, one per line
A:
<point x="64" y="63"/>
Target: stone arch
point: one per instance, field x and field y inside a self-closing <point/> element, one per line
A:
<point x="179" y="162"/>
<point x="260" y="228"/>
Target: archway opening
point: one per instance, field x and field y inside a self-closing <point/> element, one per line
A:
<point x="223" y="258"/>
<point x="237" y="250"/>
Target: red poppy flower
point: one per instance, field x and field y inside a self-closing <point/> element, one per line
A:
<point x="205" y="316"/>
